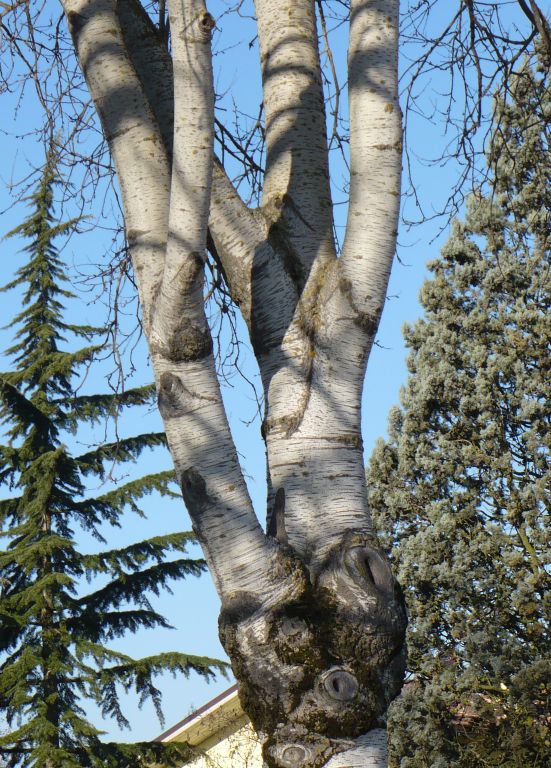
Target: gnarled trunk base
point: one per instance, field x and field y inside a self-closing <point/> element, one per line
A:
<point x="318" y="659"/>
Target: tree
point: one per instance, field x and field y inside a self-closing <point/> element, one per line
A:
<point x="54" y="632"/>
<point x="311" y="616"/>
<point x="462" y="484"/>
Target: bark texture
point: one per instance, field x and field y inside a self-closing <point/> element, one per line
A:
<point x="312" y="618"/>
<point x="318" y="661"/>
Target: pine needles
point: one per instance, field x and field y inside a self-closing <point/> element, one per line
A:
<point x="53" y="637"/>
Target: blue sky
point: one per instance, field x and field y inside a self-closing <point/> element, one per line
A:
<point x="193" y="607"/>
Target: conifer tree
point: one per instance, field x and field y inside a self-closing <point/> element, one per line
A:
<point x="59" y="608"/>
<point x="462" y="483"/>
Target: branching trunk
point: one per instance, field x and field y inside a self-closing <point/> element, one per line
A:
<point x="312" y="618"/>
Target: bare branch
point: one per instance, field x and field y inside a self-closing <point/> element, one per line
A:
<point x="540" y="22"/>
<point x="472" y="56"/>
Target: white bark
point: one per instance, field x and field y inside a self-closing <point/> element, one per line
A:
<point x="246" y="245"/>
<point x="370" y="751"/>
<point x="259" y="283"/>
<point x="297" y="172"/>
<point x="239" y="233"/>
<point x="195" y="423"/>
<point x="152" y="64"/>
<point x="375" y="157"/>
<point x="320" y="464"/>
<point x="132" y="133"/>
<point x="324" y="606"/>
<point x="179" y="303"/>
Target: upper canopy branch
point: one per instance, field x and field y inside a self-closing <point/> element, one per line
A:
<point x="179" y="317"/>
<point x="318" y="434"/>
<point x="246" y="243"/>
<point x="132" y="133"/>
<point x="534" y="13"/>
<point x="375" y="162"/>
<point x="297" y="198"/>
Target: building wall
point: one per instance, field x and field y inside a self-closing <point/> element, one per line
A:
<point x="235" y="745"/>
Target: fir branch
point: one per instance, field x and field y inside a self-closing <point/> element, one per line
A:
<point x="136" y="555"/>
<point x="92" y="408"/>
<point x="131" y="492"/>
<point x="126" y="449"/>
<point x="27" y="412"/>
<point x="52" y="640"/>
<point x="96" y="626"/>
<point x="123" y="755"/>
<point x="139" y="674"/>
<point x="134" y="586"/>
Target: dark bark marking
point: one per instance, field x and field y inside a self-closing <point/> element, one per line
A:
<point x="386" y="147"/>
<point x="190" y="271"/>
<point x="194" y="489"/>
<point x="76" y="22"/>
<point x="368" y="321"/>
<point x="169" y="397"/>
<point x="189" y="343"/>
<point x="276" y="523"/>
<point x="173" y="396"/>
<point x="133" y="235"/>
<point x="205" y="23"/>
<point x="339" y="684"/>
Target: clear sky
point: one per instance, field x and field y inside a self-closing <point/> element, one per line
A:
<point x="193" y="607"/>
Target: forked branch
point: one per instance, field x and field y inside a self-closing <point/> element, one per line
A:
<point x="189" y="396"/>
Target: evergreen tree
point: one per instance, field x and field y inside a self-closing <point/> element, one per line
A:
<point x="58" y="606"/>
<point x="462" y="483"/>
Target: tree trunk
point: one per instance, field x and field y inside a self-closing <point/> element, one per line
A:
<point x="312" y="618"/>
<point x="50" y="650"/>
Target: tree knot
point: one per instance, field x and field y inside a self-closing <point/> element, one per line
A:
<point x="318" y="659"/>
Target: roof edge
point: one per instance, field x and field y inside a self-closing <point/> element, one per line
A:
<point x="199" y="716"/>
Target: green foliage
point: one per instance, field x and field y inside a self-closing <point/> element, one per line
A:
<point x="52" y="632"/>
<point x="461" y="487"/>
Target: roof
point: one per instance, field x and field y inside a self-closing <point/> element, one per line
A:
<point x="207" y="720"/>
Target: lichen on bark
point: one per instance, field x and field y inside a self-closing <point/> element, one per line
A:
<point x="320" y="658"/>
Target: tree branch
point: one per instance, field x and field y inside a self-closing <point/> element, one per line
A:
<point x="539" y="21"/>
<point x="239" y="234"/>
<point x="179" y="312"/>
<point x="296" y="190"/>
<point x="340" y="311"/>
<point x="197" y="431"/>
<point x="132" y="133"/>
<point x="371" y="228"/>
